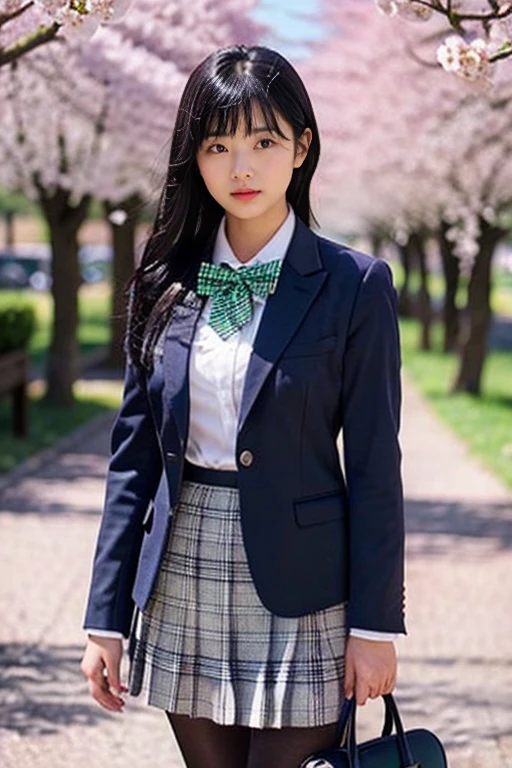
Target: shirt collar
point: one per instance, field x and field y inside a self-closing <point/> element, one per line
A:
<point x="275" y="248"/>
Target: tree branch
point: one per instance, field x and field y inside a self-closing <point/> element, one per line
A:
<point x="414" y="56"/>
<point x="5" y="18"/>
<point x="456" y="17"/>
<point x="427" y="4"/>
<point x="499" y="15"/>
<point x="21" y="47"/>
<point x="504" y="53"/>
<point x="434" y="5"/>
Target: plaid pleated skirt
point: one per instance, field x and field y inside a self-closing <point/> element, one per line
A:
<point x="206" y="646"/>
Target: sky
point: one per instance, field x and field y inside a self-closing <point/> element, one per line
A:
<point x="292" y="24"/>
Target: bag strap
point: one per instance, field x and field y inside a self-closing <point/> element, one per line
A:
<point x="343" y="720"/>
<point x="346" y="710"/>
<point x="346" y="730"/>
<point x="387" y="728"/>
<point x="403" y="744"/>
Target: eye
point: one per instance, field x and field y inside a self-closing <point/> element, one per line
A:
<point x="217" y="149"/>
<point x="266" y="143"/>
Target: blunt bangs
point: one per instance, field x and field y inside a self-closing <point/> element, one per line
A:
<point x="228" y="104"/>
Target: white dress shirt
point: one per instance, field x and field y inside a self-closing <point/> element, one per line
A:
<point x="217" y="367"/>
<point x="217" y="374"/>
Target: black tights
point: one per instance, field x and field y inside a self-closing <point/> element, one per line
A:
<point x="204" y="744"/>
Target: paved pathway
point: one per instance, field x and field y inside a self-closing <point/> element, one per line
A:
<point x="455" y="665"/>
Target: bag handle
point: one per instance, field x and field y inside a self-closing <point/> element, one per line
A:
<point x="341" y="730"/>
<point x="346" y="729"/>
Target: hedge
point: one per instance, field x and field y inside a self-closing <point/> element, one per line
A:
<point x="17" y="325"/>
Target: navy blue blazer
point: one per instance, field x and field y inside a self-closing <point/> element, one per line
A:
<point x="326" y="358"/>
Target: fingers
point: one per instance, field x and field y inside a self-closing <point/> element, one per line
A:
<point x="100" y="691"/>
<point x="370" y="669"/>
<point x="101" y="666"/>
<point x="113" y="673"/>
<point x="365" y="691"/>
<point x="390" y="685"/>
<point x="362" y="692"/>
<point x="350" y="678"/>
<point x="356" y="683"/>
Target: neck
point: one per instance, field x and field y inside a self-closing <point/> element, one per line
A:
<point x="248" y="236"/>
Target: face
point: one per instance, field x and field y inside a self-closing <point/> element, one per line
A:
<point x="248" y="175"/>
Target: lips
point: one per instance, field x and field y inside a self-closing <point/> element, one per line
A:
<point x="245" y="194"/>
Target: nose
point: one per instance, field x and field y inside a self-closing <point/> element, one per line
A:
<point x="241" y="168"/>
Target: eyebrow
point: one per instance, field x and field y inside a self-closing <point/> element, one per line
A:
<point x="259" y="129"/>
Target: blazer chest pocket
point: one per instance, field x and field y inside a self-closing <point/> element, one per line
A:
<point x="319" y="509"/>
<point x="310" y="348"/>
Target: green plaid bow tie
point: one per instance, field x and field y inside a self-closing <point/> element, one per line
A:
<point x="232" y="292"/>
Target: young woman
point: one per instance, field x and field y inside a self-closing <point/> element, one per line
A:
<point x="259" y="582"/>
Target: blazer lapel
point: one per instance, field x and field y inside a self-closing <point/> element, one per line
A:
<point x="176" y="354"/>
<point x="301" y="279"/>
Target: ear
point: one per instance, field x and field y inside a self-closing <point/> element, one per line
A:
<point x="302" y="147"/>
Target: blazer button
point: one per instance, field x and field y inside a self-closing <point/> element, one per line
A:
<point x="171" y="456"/>
<point x="246" y="458"/>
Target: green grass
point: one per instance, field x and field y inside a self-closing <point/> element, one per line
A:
<point x="93" y="330"/>
<point x="485" y="424"/>
<point x="501" y="297"/>
<point x="47" y="424"/>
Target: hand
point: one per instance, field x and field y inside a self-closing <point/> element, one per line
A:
<point x="101" y="666"/>
<point x="370" y="668"/>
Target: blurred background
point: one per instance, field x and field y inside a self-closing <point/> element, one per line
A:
<point x="416" y="168"/>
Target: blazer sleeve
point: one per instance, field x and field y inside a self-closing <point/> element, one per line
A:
<point x="133" y="475"/>
<point x="371" y="400"/>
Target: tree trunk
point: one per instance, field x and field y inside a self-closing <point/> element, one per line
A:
<point x="478" y="316"/>
<point x="404" y="293"/>
<point x="451" y="273"/>
<point x="417" y="243"/>
<point x="9" y="229"/>
<point x="64" y="221"/>
<point x="375" y="243"/>
<point x="123" y="265"/>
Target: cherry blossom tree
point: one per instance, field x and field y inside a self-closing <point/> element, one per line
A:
<point x="28" y="24"/>
<point x="94" y="120"/>
<point x="484" y="31"/>
<point x="412" y="153"/>
<point x="174" y="42"/>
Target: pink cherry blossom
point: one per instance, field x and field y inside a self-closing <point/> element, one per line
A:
<point x="406" y="9"/>
<point x="484" y="32"/>
<point x="111" y="100"/>
<point x="405" y="147"/>
<point x="468" y="60"/>
<point x="40" y="21"/>
<point x="84" y="119"/>
<point x="408" y="151"/>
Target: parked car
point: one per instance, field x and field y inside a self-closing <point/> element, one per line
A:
<point x="95" y="262"/>
<point x="28" y="265"/>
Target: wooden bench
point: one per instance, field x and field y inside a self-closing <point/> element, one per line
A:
<point x="14" y="372"/>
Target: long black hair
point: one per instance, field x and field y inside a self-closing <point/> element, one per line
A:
<point x="220" y="92"/>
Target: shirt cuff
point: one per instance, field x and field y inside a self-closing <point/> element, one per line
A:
<point x="369" y="634"/>
<point x="104" y="633"/>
